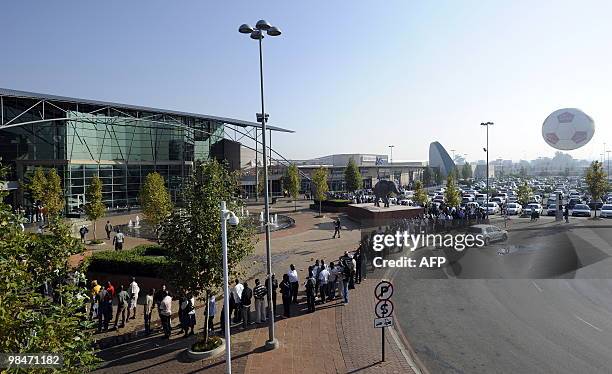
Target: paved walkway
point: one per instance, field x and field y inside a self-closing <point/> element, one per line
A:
<point x="337" y="338"/>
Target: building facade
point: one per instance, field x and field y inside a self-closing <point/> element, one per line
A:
<point x="119" y="143"/>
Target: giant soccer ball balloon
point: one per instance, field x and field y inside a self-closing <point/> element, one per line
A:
<point x="568" y="129"/>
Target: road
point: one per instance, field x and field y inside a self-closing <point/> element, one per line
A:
<point x="540" y="303"/>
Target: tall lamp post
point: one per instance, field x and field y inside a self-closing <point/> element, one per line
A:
<point x="257" y="33"/>
<point x="391" y="147"/>
<point x="487" y="124"/>
<point x="226" y="216"/>
<point x="608" y="152"/>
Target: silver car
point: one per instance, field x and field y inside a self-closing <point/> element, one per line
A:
<point x="490" y="233"/>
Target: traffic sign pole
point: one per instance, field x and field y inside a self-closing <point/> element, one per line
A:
<point x="383" y="292"/>
<point x="383" y="344"/>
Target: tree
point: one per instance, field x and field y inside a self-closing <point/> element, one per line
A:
<point x="596" y="181"/>
<point x="451" y="194"/>
<point x="523" y="172"/>
<point x="293" y="183"/>
<point x="524" y="194"/>
<point x="94" y="208"/>
<point x="53" y="195"/>
<point x="456" y="173"/>
<point x="192" y="235"/>
<point x="155" y="200"/>
<point x="352" y="176"/>
<point x="38" y="184"/>
<point x="32" y="320"/>
<point x="420" y="196"/>
<point x="427" y="176"/>
<point x="319" y="183"/>
<point x="437" y="176"/>
<point x="466" y="171"/>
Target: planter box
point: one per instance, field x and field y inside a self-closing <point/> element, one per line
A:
<point x="206" y="354"/>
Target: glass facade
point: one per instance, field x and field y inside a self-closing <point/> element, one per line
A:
<point x="120" y="145"/>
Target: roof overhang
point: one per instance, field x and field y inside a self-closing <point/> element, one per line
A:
<point x="231" y="121"/>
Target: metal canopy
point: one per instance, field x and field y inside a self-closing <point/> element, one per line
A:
<point x="103" y="104"/>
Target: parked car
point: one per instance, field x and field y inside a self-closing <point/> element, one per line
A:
<point x="581" y="210"/>
<point x="606" y="211"/>
<point x="551" y="210"/>
<point x="595" y="204"/>
<point x="492" y="207"/>
<point x="573" y="201"/>
<point x="531" y="206"/>
<point x="514" y="209"/>
<point x="490" y="233"/>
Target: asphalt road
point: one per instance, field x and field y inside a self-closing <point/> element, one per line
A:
<point x="540" y="303"/>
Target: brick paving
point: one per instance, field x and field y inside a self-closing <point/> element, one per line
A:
<point x="336" y="338"/>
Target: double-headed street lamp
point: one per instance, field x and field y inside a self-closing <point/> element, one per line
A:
<point x="487" y="124"/>
<point x="257" y="33"/>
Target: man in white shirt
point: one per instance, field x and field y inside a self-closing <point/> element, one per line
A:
<point x="323" y="280"/>
<point x="293" y="281"/>
<point x="133" y="291"/>
<point x="165" y="312"/>
<point x="148" y="309"/>
<point x="237" y="296"/>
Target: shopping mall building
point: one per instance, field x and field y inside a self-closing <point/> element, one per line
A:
<point x="119" y="143"/>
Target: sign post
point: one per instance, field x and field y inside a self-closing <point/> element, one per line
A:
<point x="383" y="310"/>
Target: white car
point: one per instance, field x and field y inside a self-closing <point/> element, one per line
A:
<point x="606" y="211"/>
<point x="531" y="206"/>
<point x="514" y="209"/>
<point x="489" y="232"/>
<point x="492" y="208"/>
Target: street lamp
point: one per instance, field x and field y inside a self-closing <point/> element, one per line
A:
<point x="226" y="216"/>
<point x="608" y="152"/>
<point x="487" y="124"/>
<point x="391" y="147"/>
<point x="257" y="33"/>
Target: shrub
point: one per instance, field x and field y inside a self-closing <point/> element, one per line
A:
<point x="146" y="260"/>
<point x="203" y="346"/>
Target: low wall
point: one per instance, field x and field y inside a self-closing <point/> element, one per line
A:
<point x="369" y="215"/>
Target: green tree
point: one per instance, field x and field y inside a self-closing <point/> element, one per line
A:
<point x="319" y="184"/>
<point x="523" y="172"/>
<point x="427" y="176"/>
<point x="524" y="193"/>
<point x="456" y="173"/>
<point x="94" y="208"/>
<point x="293" y="183"/>
<point x="437" y="176"/>
<point x="451" y="194"/>
<point x="31" y="321"/>
<point x="192" y="235"/>
<point x="53" y="196"/>
<point x="155" y="200"/>
<point x="420" y="196"/>
<point x="352" y="176"/>
<point x="466" y="171"/>
<point x="38" y="184"/>
<point x="596" y="181"/>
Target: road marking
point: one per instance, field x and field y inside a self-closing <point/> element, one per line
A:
<point x="593" y="326"/>
<point x="536" y="286"/>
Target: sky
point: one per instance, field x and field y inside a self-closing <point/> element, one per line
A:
<point x="348" y="77"/>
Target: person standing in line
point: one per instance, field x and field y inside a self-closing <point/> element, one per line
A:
<point x="332" y="280"/>
<point x="148" y="310"/>
<point x="310" y="290"/>
<point x="83" y="232"/>
<point x="108" y="228"/>
<point x="274" y="286"/>
<point x="102" y="312"/>
<point x="337" y="227"/>
<point x="187" y="314"/>
<point x="260" y="292"/>
<point x="165" y="312"/>
<point x="285" y="288"/>
<point x="245" y="300"/>
<point x="293" y="280"/>
<point x="95" y="304"/>
<point x="346" y="276"/>
<point x="157" y="299"/>
<point x="358" y="260"/>
<point x="315" y="275"/>
<point x="118" y="240"/>
<point x="237" y="295"/>
<point x="323" y="280"/>
<point x="133" y="291"/>
<point x="212" y="310"/>
<point x="122" y="303"/>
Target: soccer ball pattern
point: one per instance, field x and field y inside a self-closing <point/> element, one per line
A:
<point x="568" y="129"/>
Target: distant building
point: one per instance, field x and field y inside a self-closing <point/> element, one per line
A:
<point x="439" y="158"/>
